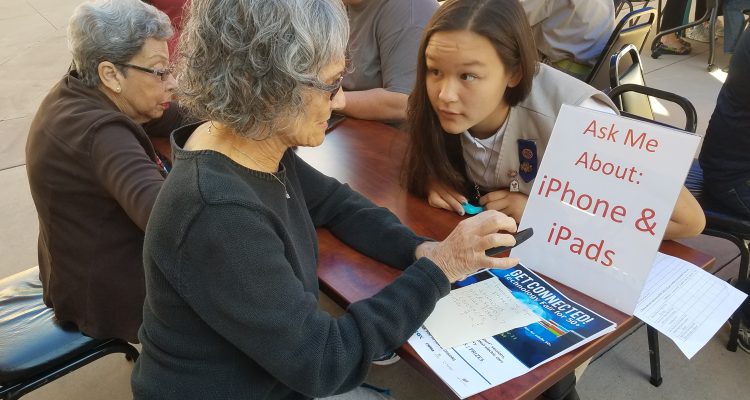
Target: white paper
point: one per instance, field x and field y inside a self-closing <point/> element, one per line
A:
<point x="481" y="364"/>
<point x="601" y="200"/>
<point x="475" y="312"/>
<point x="686" y="303"/>
<point x="468" y="369"/>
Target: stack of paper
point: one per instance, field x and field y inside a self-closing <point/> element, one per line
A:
<point x="558" y="325"/>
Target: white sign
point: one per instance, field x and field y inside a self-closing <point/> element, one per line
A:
<point x="601" y="201"/>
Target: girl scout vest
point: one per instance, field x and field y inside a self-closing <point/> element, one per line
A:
<point x="517" y="156"/>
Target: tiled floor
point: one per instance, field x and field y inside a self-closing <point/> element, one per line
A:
<point x="33" y="56"/>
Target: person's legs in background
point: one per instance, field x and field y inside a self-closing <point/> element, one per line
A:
<point x="733" y="22"/>
<point x="736" y="197"/>
<point x="700" y="33"/>
<point x="733" y="195"/>
<point x="671" y="17"/>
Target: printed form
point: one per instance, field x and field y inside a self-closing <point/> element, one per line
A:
<point x="686" y="303"/>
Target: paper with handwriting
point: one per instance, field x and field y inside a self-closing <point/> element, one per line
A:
<point x="477" y="311"/>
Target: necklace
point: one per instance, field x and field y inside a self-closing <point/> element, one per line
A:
<point x="286" y="192"/>
<point x="500" y="132"/>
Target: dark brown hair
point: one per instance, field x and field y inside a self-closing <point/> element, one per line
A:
<point x="433" y="154"/>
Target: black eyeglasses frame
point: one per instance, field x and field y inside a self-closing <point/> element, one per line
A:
<point x="333" y="89"/>
<point x="159" y="73"/>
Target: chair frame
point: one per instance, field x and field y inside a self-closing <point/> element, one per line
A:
<point x="712" y="13"/>
<point x="691" y="116"/>
<point x="691" y="123"/>
<point x="737" y="239"/>
<point x="18" y="388"/>
<point x="629" y="22"/>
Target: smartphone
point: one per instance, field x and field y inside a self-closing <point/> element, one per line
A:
<point x="520" y="236"/>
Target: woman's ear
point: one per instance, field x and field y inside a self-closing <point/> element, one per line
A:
<point x="515" y="79"/>
<point x="110" y="76"/>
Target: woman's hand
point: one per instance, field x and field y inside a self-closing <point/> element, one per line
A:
<point x="462" y="252"/>
<point x="440" y="196"/>
<point x="505" y="201"/>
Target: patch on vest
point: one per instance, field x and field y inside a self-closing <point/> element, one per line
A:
<point x="528" y="160"/>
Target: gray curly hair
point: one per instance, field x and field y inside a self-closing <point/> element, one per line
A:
<point x="112" y="30"/>
<point x="245" y="63"/>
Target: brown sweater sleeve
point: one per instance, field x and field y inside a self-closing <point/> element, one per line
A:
<point x="126" y="171"/>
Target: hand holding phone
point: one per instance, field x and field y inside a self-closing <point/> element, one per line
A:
<point x="520" y="237"/>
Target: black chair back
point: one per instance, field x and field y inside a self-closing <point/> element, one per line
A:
<point x="624" y="70"/>
<point x="633" y="29"/>
<point x="691" y="116"/>
<point x="639" y="107"/>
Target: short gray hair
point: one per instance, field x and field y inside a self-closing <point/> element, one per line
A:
<point x="245" y="63"/>
<point x="112" y="30"/>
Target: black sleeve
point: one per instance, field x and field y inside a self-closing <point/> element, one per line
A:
<point x="240" y="283"/>
<point x="355" y="220"/>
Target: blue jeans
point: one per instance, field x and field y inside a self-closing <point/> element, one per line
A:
<point x="733" y="20"/>
<point x="734" y="196"/>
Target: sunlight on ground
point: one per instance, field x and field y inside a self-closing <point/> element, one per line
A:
<point x="719" y="75"/>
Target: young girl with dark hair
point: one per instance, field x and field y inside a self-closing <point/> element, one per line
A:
<point x="483" y="108"/>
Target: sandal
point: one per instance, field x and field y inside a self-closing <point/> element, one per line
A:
<point x="684" y="42"/>
<point x="680" y="51"/>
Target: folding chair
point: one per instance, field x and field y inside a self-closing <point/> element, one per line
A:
<point x="634" y="29"/>
<point x="640" y="110"/>
<point x="724" y="224"/>
<point x="625" y="67"/>
<point x="631" y="95"/>
<point x="35" y="348"/>
<point x="620" y="4"/>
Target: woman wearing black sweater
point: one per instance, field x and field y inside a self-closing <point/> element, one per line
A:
<point x="231" y="250"/>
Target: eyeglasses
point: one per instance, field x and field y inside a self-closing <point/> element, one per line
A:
<point x="162" y="74"/>
<point x="333" y="89"/>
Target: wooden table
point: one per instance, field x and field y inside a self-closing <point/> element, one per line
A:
<point x="368" y="156"/>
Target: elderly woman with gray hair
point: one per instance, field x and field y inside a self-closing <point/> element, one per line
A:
<point x="230" y="255"/>
<point x="93" y="173"/>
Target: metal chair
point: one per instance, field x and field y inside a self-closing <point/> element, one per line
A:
<point x="634" y="29"/>
<point x="631" y="95"/>
<point x="617" y="95"/>
<point x="35" y="348"/>
<point x="719" y="223"/>
<point x="727" y="225"/>
<point x="620" y="4"/>
<point x="625" y="68"/>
